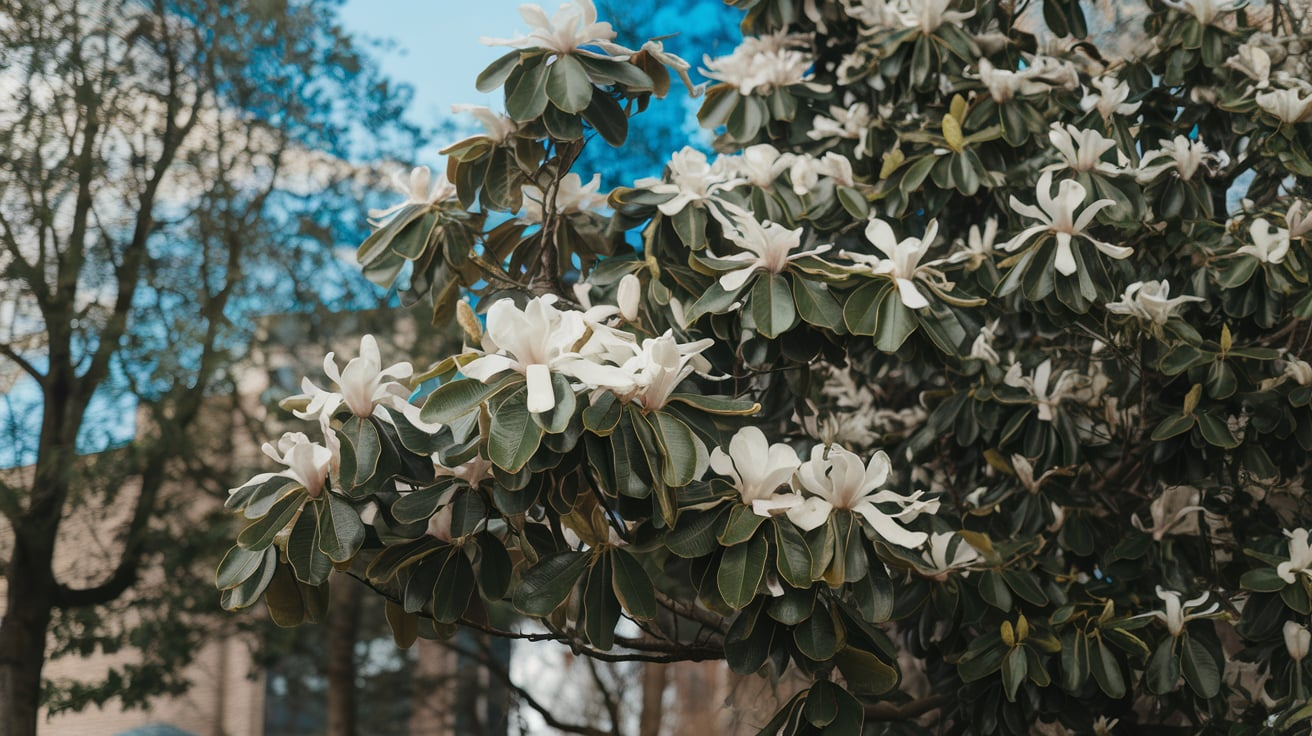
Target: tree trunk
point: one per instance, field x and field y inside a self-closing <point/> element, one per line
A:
<point x="653" y="696"/>
<point x="23" y="637"/>
<point x="341" y="631"/>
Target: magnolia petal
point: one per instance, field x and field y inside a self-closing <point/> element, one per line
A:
<point x="541" y="395"/>
<point x="888" y="529"/>
<point x="810" y="514"/>
<point x="911" y="296"/>
<point x="487" y="366"/>
<point x="1065" y="260"/>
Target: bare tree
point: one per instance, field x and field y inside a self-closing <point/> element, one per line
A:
<point x="163" y="165"/>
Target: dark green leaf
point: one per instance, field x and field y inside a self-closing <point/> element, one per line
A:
<point x="547" y="584"/>
<point x="741" y="570"/>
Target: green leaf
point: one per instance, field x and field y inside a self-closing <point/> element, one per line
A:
<point x="1172" y="426"/>
<point x="894" y="322"/>
<point x="1162" y="672"/>
<point x="817" y="638"/>
<point x="421" y="504"/>
<point x="568" y="86"/>
<point x="694" y="535"/>
<point x="309" y="562"/>
<point x="341" y="532"/>
<point x="793" y="556"/>
<point x="365" y="448"/>
<point x="495" y="74"/>
<point x="772" y="305"/>
<point x="861" y="310"/>
<point x="1262" y="580"/>
<point x="547" y="584"/>
<point x="603" y="414"/>
<point x="866" y="674"/>
<point x="993" y="590"/>
<point x="292" y="603"/>
<point x="742" y="526"/>
<point x="822" y="703"/>
<point x="404" y="626"/>
<point x="494" y="567"/>
<point x="816" y="304"/>
<point x="514" y="436"/>
<point x="237" y="567"/>
<point x="607" y="118"/>
<point x="1014" y="670"/>
<point x="453" y="588"/>
<point x="678" y="448"/>
<point x="721" y="405"/>
<point x="455" y="399"/>
<point x="1106" y="670"/>
<point x="601" y="609"/>
<point x="633" y="586"/>
<point x="526" y="90"/>
<point x="260" y="533"/>
<point x="1216" y="432"/>
<point x="690" y="225"/>
<point x="1200" y="670"/>
<point x="741" y="570"/>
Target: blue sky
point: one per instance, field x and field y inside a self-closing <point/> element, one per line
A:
<point x="436" y="46"/>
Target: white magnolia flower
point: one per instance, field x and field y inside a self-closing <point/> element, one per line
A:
<point x="1206" y="11"/>
<point x="1180" y="154"/>
<point x="769" y="247"/>
<point x="901" y="261"/>
<point x="573" y="26"/>
<point x="1290" y="105"/>
<point x="656" y="368"/>
<point x="936" y="561"/>
<point x="1300" y="557"/>
<point x="762" y="64"/>
<point x="1298" y="219"/>
<point x="692" y="179"/>
<point x="978" y="247"/>
<point x="759" y="165"/>
<point x="805" y="171"/>
<point x="537" y="341"/>
<point x="1299" y="371"/>
<point x="1057" y="215"/>
<point x="1297" y="640"/>
<point x="1253" y="62"/>
<point x="876" y="14"/>
<point x="850" y="123"/>
<point x="1104" y="725"/>
<point x="572" y="197"/>
<point x="1148" y="302"/>
<point x="1177" y="614"/>
<point x="982" y="348"/>
<point x="1004" y="84"/>
<point x="1025" y="473"/>
<point x="1270" y="245"/>
<point x="928" y="15"/>
<point x="1173" y="512"/>
<point x="308" y="463"/>
<point x="656" y="49"/>
<point x="364" y="386"/>
<point x="837" y="479"/>
<point x="1083" y="150"/>
<point x="473" y="471"/>
<point x="1070" y="384"/>
<point x="419" y="188"/>
<point x="499" y="127"/>
<point x="758" y="469"/>
<point x="1110" y="99"/>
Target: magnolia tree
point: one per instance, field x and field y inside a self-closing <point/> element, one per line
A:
<point x="975" y="363"/>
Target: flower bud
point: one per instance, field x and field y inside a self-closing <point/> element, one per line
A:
<point x="627" y="296"/>
<point x="468" y="322"/>
<point x="1297" y="639"/>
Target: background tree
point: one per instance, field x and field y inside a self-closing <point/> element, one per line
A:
<point x="169" y="169"/>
